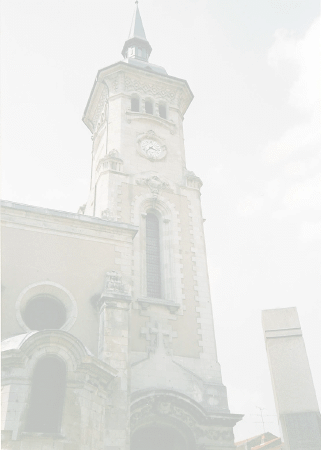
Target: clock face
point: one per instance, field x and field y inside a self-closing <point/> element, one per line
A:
<point x="151" y="148"/>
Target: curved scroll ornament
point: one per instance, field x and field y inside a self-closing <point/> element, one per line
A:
<point x="150" y="146"/>
<point x="154" y="183"/>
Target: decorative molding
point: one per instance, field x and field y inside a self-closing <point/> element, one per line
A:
<point x="172" y="281"/>
<point x="146" y="302"/>
<point x="169" y="124"/>
<point x="100" y="109"/>
<point x="158" y="337"/>
<point x="156" y="90"/>
<point x="111" y="161"/>
<point x="107" y="214"/>
<point x="167" y="409"/>
<point x="52" y="289"/>
<point x="113" y="82"/>
<point x="78" y="359"/>
<point x="154" y="183"/>
<point x="182" y="101"/>
<point x="101" y="126"/>
<point x="115" y="293"/>
<point x="114" y="283"/>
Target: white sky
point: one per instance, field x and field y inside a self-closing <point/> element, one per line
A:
<point x="252" y="134"/>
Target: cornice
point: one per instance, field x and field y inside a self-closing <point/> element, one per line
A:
<point x="111" y="80"/>
<point x="123" y="66"/>
<point x="131" y="115"/>
<point x="35" y="218"/>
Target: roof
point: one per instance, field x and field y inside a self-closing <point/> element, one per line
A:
<point x="55" y="215"/>
<point x="264" y="441"/>
<point x="145" y="65"/>
<point x="270" y="445"/>
<point x="137" y="39"/>
<point x="16" y="342"/>
<point x="137" y="28"/>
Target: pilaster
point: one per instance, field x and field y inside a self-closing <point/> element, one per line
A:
<point x="114" y="310"/>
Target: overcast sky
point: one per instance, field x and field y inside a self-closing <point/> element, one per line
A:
<point x="252" y="134"/>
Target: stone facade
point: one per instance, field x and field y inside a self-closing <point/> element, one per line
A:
<point x="137" y="365"/>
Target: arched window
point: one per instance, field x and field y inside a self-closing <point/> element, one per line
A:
<point x="162" y="111"/>
<point x="153" y="260"/>
<point x="135" y="104"/>
<point x="149" y="107"/>
<point x="47" y="396"/>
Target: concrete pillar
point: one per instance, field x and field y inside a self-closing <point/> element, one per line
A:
<point x="294" y="392"/>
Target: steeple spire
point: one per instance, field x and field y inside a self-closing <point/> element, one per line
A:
<point x="137" y="46"/>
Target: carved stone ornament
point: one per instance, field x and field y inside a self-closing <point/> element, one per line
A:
<point x="154" y="183"/>
<point x="151" y="146"/>
<point x="81" y="209"/>
<point x="156" y="90"/>
<point x="158" y="337"/>
<point x="112" y="82"/>
<point x="114" y="153"/>
<point x="114" y="283"/>
<point x="107" y="214"/>
<point x="164" y="407"/>
<point x="200" y="430"/>
<point x="99" y="115"/>
<point x="115" y="294"/>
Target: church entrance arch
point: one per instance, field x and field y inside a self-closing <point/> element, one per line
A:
<point x="163" y="420"/>
<point x="158" y="437"/>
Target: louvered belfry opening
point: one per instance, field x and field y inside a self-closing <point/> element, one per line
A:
<point x="153" y="262"/>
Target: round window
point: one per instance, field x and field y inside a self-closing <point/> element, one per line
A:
<point x="44" y="312"/>
<point x="46" y="305"/>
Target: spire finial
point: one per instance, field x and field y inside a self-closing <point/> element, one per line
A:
<point x="137" y="46"/>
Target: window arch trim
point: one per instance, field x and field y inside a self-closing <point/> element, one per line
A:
<point x="172" y="286"/>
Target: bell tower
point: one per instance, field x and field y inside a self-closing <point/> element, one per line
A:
<point x="139" y="176"/>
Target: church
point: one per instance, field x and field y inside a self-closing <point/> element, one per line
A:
<point x="108" y="334"/>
